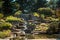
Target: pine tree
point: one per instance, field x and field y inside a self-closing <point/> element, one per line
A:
<point x="58" y="3"/>
<point x="6" y="7"/>
<point x="31" y="5"/>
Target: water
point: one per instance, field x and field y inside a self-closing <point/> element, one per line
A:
<point x="38" y="37"/>
<point x="42" y="36"/>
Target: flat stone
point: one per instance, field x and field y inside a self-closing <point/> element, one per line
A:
<point x="4" y="39"/>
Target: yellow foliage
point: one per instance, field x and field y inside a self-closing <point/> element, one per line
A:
<point x="36" y="14"/>
<point x="11" y="18"/>
<point x="5" y="25"/>
<point x="42" y="15"/>
<point x="44" y="9"/>
<point x="18" y="12"/>
<point x="52" y="19"/>
<point x="2" y="20"/>
<point x="42" y="27"/>
<point x="5" y="33"/>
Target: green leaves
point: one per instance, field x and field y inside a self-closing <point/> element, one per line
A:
<point x="5" y="33"/>
<point x="1" y="15"/>
<point x="45" y="11"/>
<point x="11" y="18"/>
<point x="5" y="25"/>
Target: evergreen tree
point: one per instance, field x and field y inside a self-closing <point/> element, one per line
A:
<point x="58" y="3"/>
<point x="6" y="7"/>
<point x="31" y="5"/>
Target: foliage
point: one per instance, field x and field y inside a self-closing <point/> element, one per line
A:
<point x="42" y="27"/>
<point x="58" y="3"/>
<point x="5" y="33"/>
<point x="1" y="2"/>
<point x="18" y="13"/>
<point x="58" y="12"/>
<point x="6" y="8"/>
<point x="45" y="11"/>
<point x="1" y="20"/>
<point x="5" y="25"/>
<point x="51" y="19"/>
<point x="36" y="14"/>
<point x="1" y="15"/>
<point x="11" y="18"/>
<point x="30" y="26"/>
<point x="53" y="28"/>
<point x="31" y="5"/>
<point x="42" y="16"/>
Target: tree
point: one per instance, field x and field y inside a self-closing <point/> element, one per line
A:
<point x="31" y="5"/>
<point x="6" y="7"/>
<point x="52" y="4"/>
<point x="58" y="3"/>
<point x="1" y="2"/>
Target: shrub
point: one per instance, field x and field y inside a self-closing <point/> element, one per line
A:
<point x="1" y="15"/>
<point x="5" y="25"/>
<point x="53" y="27"/>
<point x="17" y="13"/>
<point x="1" y="20"/>
<point x="5" y="33"/>
<point x="58" y="13"/>
<point x="42" y="27"/>
<point x="51" y="19"/>
<point x="11" y="18"/>
<point x="45" y="11"/>
<point x="36" y="14"/>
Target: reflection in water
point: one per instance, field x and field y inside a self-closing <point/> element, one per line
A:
<point x="42" y="36"/>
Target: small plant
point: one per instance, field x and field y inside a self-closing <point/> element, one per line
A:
<point x="5" y="25"/>
<point x="1" y="15"/>
<point x="36" y="14"/>
<point x="5" y="33"/>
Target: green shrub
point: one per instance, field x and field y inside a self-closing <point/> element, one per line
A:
<point x="5" y="25"/>
<point x="1" y="15"/>
<point x="5" y="33"/>
<point x="17" y="13"/>
<point x="53" y="27"/>
<point x="11" y="18"/>
<point x="36" y="14"/>
<point x="45" y="11"/>
<point x="42" y="27"/>
<point x="1" y="20"/>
